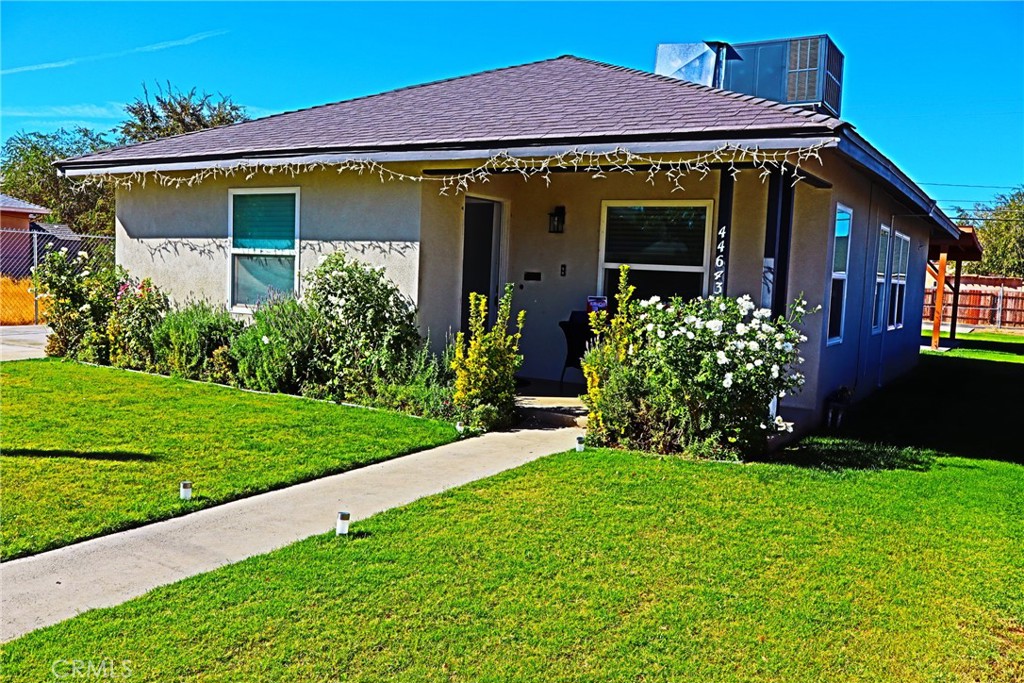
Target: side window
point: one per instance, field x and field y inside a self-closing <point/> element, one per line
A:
<point x="840" y="264"/>
<point x="898" y="282"/>
<point x="881" y="275"/>
<point x="263" y="224"/>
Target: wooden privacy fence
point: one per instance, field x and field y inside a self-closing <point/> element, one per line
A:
<point x="980" y="306"/>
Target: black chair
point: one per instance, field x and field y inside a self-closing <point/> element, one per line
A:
<point x="577" y="333"/>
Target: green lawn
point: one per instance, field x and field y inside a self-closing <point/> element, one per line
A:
<point x="984" y="336"/>
<point x="980" y="354"/>
<point x="90" y="450"/>
<point x="841" y="561"/>
<point x="1006" y="347"/>
<point x="610" y="566"/>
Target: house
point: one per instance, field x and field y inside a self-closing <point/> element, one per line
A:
<point x="548" y="175"/>
<point x="16" y="244"/>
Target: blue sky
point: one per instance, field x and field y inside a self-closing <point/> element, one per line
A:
<point x="939" y="87"/>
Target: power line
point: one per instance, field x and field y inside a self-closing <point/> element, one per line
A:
<point x="986" y="187"/>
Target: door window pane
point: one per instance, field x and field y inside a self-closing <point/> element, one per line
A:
<point x="835" y="309"/>
<point x="842" y="244"/>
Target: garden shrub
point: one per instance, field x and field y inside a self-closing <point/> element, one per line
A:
<point x="367" y="333"/>
<point x="194" y="341"/>
<point x="78" y="295"/>
<point x="138" y="308"/>
<point x="424" y="388"/>
<point x="678" y="375"/>
<point x="276" y="351"/>
<point x="486" y="363"/>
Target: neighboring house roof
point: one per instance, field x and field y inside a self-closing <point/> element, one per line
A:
<point x="58" y="230"/>
<point x="559" y="103"/>
<point x="13" y="205"/>
<point x="567" y="98"/>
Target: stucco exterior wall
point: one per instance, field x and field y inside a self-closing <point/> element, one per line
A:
<point x="865" y="359"/>
<point x="179" y="237"/>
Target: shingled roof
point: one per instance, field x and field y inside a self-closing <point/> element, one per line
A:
<point x="15" y="205"/>
<point x="567" y="99"/>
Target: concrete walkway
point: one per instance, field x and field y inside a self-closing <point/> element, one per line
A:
<point x="20" y="342"/>
<point x="47" y="588"/>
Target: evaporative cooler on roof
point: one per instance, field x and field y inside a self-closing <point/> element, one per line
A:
<point x="800" y="71"/>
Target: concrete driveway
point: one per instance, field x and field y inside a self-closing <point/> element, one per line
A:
<point x="19" y="342"/>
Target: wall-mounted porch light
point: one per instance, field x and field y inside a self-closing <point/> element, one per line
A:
<point x="556" y="219"/>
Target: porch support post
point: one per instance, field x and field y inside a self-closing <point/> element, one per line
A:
<point x="940" y="289"/>
<point x="778" y="234"/>
<point x="956" y="300"/>
<point x="723" y="236"/>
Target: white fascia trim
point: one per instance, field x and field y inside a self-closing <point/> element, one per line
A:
<point x="763" y="144"/>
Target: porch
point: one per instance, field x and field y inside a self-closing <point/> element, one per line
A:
<point x="561" y="243"/>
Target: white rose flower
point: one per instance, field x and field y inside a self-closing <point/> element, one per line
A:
<point x="775" y="371"/>
<point x="266" y="339"/>
<point x="749" y="366"/>
<point x="722" y="358"/>
<point x="82" y="254"/>
<point x="727" y="382"/>
<point x="758" y="362"/>
<point x="741" y="328"/>
<point x="690" y="335"/>
<point x="715" y="326"/>
<point x="650" y="327"/>
<point x="661" y="333"/>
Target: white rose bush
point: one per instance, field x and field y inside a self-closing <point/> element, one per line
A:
<point x="698" y="375"/>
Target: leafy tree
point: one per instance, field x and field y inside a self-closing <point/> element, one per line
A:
<point x="26" y="159"/>
<point x="173" y="111"/>
<point x="26" y="166"/>
<point x="1001" y="233"/>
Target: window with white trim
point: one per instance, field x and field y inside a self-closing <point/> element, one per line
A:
<point x="881" y="275"/>
<point x="898" y="280"/>
<point x="665" y="243"/>
<point x="840" y="265"/>
<point x="263" y="227"/>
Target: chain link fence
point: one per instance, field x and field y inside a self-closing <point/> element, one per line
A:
<point x="23" y="250"/>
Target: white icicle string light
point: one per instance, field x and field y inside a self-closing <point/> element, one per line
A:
<point x="597" y="164"/>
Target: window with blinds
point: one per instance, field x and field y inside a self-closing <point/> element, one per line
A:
<point x="665" y="243"/>
<point x="263" y="223"/>
<point x="840" y="265"/>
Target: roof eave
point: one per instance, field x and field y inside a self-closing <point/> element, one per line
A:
<point x="759" y="139"/>
<point x="859" y="150"/>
